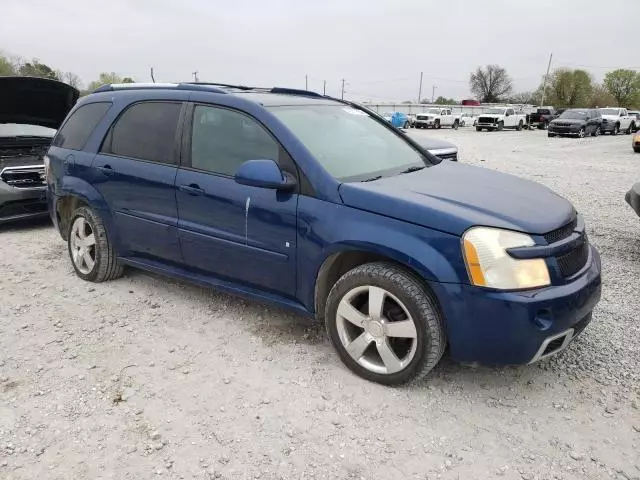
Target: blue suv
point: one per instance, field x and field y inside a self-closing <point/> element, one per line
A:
<point x="321" y="206"/>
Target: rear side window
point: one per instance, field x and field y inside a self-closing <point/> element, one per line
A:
<point x="77" y="129"/>
<point x="145" y="131"/>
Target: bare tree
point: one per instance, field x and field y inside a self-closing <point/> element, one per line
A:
<point x="490" y="84"/>
<point x="71" y="78"/>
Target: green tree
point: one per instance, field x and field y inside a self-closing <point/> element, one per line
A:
<point x="6" y="66"/>
<point x="600" y="97"/>
<point x="35" y="68"/>
<point x="624" y="86"/>
<point x="569" y="88"/>
<point x="106" y="78"/>
<point x="490" y="84"/>
<point x="446" y="101"/>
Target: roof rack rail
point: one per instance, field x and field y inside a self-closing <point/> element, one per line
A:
<point x="149" y="86"/>
<point x="295" y="91"/>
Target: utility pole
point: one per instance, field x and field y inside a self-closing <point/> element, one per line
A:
<point x="544" y="83"/>
<point x="324" y="87"/>
<point x="420" y="88"/>
<point x="433" y="93"/>
<point x="342" y="89"/>
<point x="195" y="76"/>
<point x="306" y="82"/>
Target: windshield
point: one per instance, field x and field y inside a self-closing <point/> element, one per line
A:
<point x="20" y="130"/>
<point x="574" y="114"/>
<point x="499" y="111"/>
<point x="543" y="111"/>
<point x="609" y="111"/>
<point x="433" y="110"/>
<point x="349" y="143"/>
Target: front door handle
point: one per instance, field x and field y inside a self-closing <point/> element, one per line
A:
<point x="192" y="189"/>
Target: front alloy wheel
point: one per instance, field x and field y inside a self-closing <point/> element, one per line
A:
<point x="582" y="132"/>
<point x="384" y="324"/>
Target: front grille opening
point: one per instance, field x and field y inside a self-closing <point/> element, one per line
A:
<point x="572" y="262"/>
<point x="554" y="346"/>
<point x="23" y="178"/>
<point x="562" y="232"/>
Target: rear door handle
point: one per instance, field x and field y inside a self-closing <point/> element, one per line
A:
<point x="106" y="170"/>
<point x="192" y="189"/>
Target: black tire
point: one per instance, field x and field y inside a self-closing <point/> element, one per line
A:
<point x="519" y="127"/>
<point x="545" y="126"/>
<point x="478" y="129"/>
<point x="455" y="125"/>
<point x="500" y="126"/>
<point x="596" y="132"/>
<point x="107" y="266"/>
<point x="436" y="124"/>
<point x="420" y="303"/>
<point x="629" y="129"/>
<point x="636" y="149"/>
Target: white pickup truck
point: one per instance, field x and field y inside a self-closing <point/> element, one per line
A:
<point x="501" y="117"/>
<point x="436" y="118"/>
<point x="616" y="119"/>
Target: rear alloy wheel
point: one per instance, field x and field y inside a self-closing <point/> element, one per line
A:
<point x="384" y="324"/>
<point x="596" y="132"/>
<point x="462" y="123"/>
<point x="582" y="133"/>
<point x="92" y="255"/>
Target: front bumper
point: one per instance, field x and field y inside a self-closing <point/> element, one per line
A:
<point x="633" y="198"/>
<point x="21" y="203"/>
<point x="509" y="328"/>
<point x="564" y="130"/>
<point x="425" y="122"/>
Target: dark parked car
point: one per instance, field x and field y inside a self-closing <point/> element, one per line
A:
<point x="30" y="111"/>
<point x="313" y="204"/>
<point x="541" y="117"/>
<point x="578" y="122"/>
<point x="633" y="198"/>
<point x="440" y="148"/>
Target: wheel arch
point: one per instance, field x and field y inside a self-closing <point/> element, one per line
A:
<point x="345" y="257"/>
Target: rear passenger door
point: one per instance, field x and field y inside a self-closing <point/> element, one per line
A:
<point x="238" y="232"/>
<point x="135" y="170"/>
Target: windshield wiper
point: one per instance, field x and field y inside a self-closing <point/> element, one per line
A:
<point x="412" y="169"/>
<point x="372" y="179"/>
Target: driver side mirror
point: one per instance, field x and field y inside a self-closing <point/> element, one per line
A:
<point x="264" y="173"/>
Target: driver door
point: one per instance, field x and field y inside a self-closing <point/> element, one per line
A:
<point x="236" y="232"/>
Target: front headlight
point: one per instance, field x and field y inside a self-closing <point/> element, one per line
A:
<point x="489" y="264"/>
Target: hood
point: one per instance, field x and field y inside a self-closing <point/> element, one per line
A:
<point x="570" y="121"/>
<point x="35" y="101"/>
<point x="431" y="143"/>
<point x="453" y="197"/>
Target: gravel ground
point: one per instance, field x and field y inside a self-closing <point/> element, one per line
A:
<point x="146" y="377"/>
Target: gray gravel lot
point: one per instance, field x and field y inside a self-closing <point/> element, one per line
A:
<point x="147" y="378"/>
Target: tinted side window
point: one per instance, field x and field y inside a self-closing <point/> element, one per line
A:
<point x="223" y="139"/>
<point x="146" y="131"/>
<point x="77" y="129"/>
<point x="510" y="111"/>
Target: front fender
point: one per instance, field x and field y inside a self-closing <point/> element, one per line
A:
<point x="325" y="229"/>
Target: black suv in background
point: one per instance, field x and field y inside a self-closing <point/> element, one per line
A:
<point x="31" y="110"/>
<point x="576" y="121"/>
